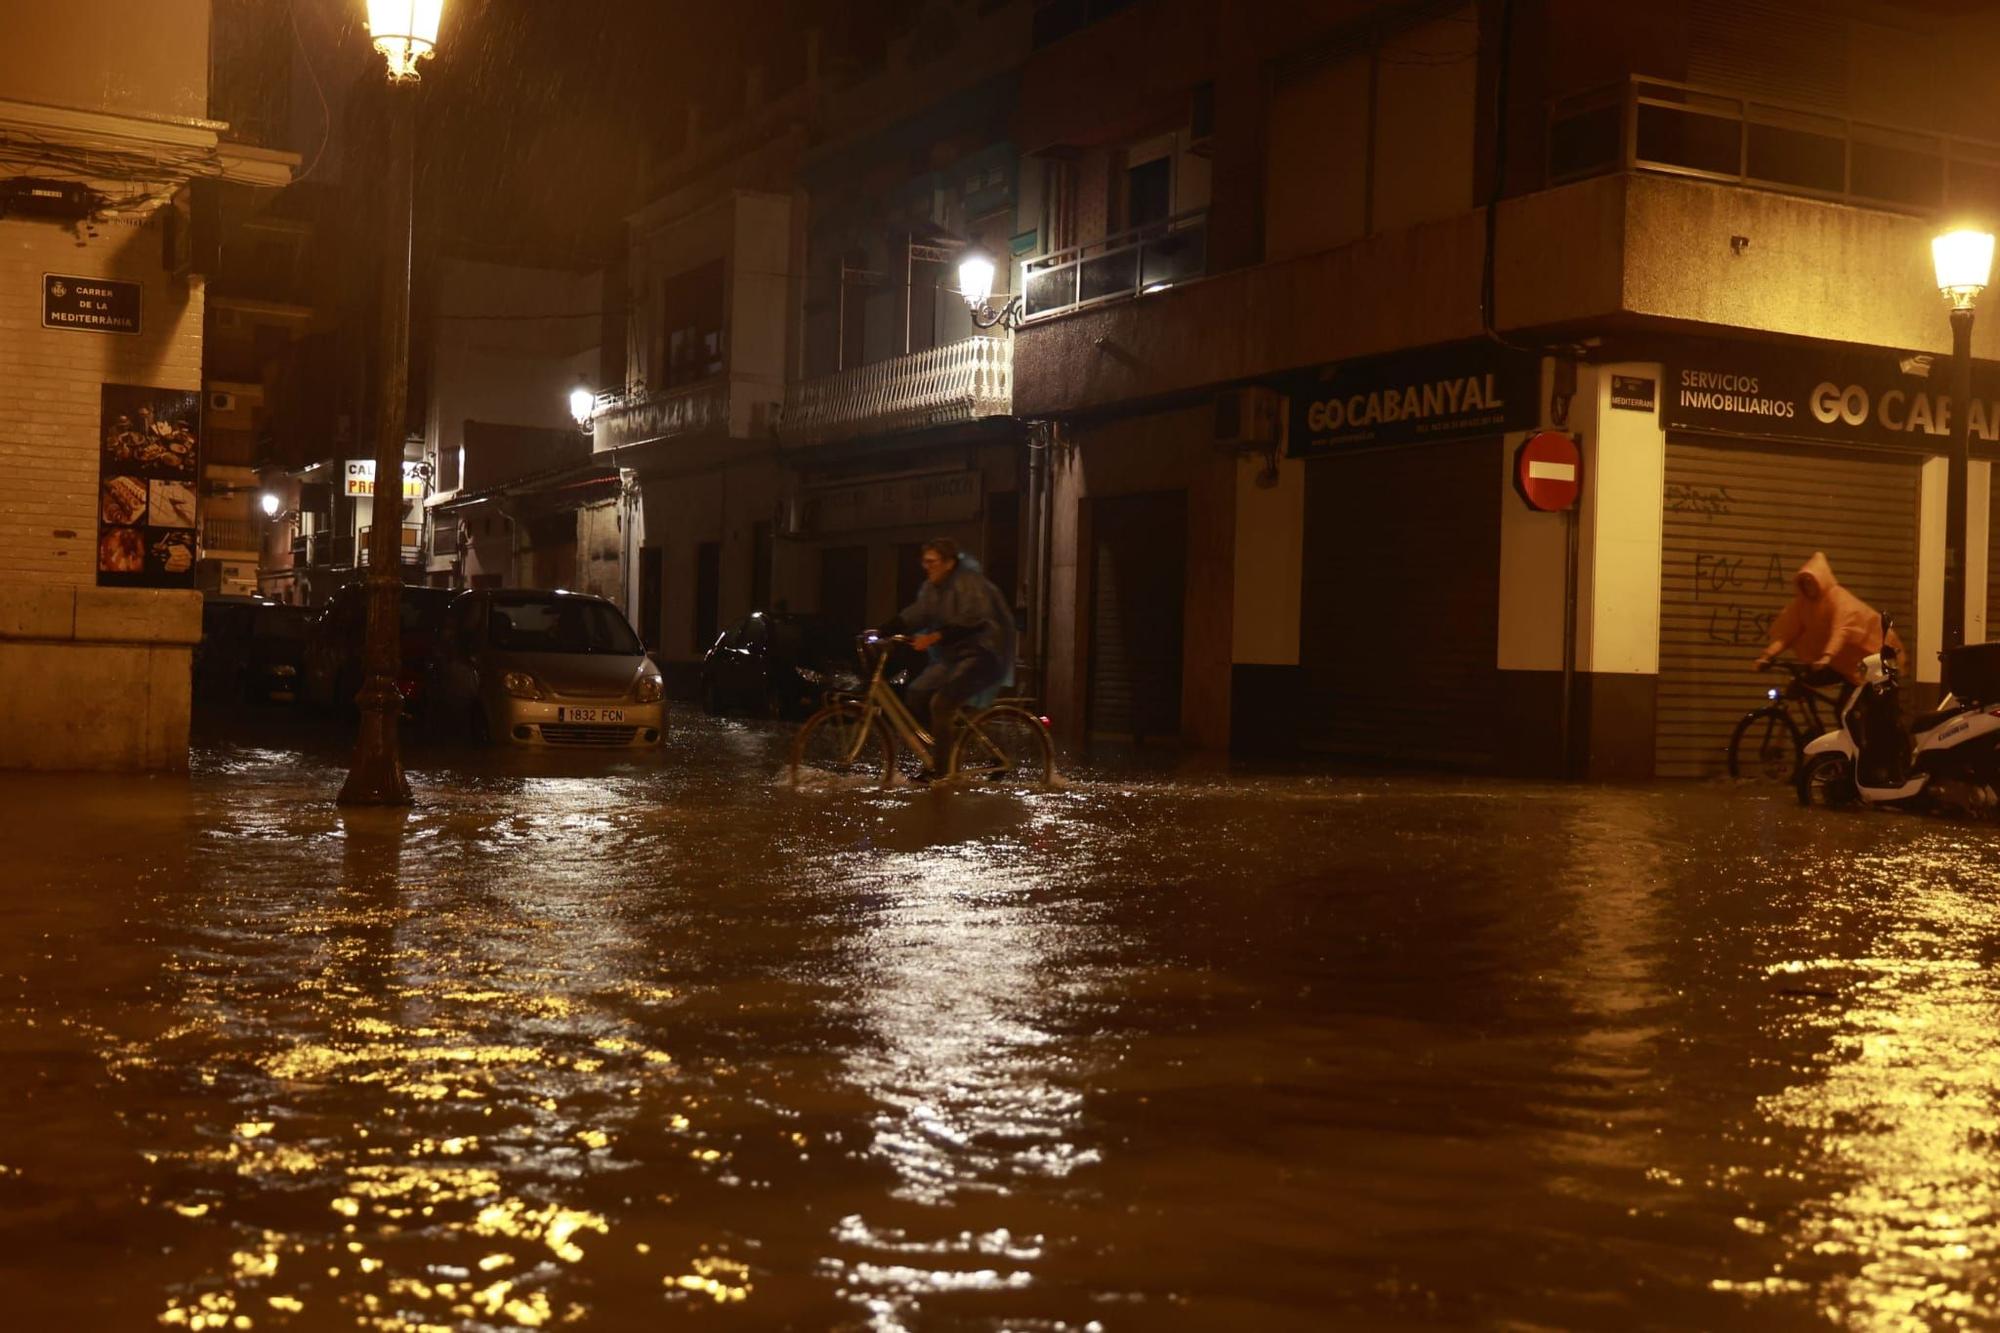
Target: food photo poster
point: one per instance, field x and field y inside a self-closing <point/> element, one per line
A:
<point x="149" y="449"/>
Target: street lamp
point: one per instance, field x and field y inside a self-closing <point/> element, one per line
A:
<point x="582" y="405"/>
<point x="1964" y="261"/>
<point x="975" y="283"/>
<point x="270" y="504"/>
<point x="404" y="31"/>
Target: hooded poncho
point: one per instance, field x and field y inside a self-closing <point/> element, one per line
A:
<point x="1826" y="620"/>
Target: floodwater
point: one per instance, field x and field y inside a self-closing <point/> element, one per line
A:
<point x="604" y="1042"/>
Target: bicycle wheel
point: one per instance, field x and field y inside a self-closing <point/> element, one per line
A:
<point x="1005" y="744"/>
<point x="841" y="742"/>
<point x="1764" y="745"/>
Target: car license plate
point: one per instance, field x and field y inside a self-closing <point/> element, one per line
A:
<point x="590" y="715"/>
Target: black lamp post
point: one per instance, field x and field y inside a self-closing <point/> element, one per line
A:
<point x="1964" y="262"/>
<point x="403" y="31"/>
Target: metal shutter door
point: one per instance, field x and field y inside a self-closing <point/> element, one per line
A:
<point x="1739" y="523"/>
<point x="1401" y="604"/>
<point x="1138" y="588"/>
<point x="1788" y="52"/>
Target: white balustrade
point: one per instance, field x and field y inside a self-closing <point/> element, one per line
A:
<point x="960" y="381"/>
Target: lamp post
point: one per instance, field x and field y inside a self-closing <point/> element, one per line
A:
<point x="1964" y="262"/>
<point x="975" y="283"/>
<point x="404" y="31"/>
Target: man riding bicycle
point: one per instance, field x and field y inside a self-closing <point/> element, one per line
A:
<point x="970" y="625"/>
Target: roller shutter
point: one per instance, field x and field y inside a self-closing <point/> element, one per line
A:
<point x="1400" y="604"/>
<point x="1138" y="590"/>
<point x="1739" y="522"/>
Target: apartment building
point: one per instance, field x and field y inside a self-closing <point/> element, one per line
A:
<point x="1311" y="273"/>
<point x="103" y="127"/>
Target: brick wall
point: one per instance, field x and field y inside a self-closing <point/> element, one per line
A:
<point x="49" y="381"/>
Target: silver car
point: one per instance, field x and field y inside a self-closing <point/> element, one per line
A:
<point x="545" y="667"/>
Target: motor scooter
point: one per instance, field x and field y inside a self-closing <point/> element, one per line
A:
<point x="1947" y="757"/>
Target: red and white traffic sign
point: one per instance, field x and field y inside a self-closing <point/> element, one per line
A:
<point x="1548" y="470"/>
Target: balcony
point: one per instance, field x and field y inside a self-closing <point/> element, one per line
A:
<point x="412" y="551"/>
<point x="323" y="549"/>
<point x="1119" y="267"/>
<point x="961" y="381"/>
<point x="1679" y="129"/>
<point x="626" y="419"/>
<point x="228" y="534"/>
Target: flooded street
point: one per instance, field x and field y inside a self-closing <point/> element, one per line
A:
<point x="616" y="1042"/>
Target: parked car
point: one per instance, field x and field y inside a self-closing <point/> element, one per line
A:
<point x="250" y="649"/>
<point x="777" y="664"/>
<point x="545" y="667"/>
<point x="332" y="671"/>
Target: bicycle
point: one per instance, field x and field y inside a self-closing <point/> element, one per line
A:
<point x="1778" y="732"/>
<point x="858" y="735"/>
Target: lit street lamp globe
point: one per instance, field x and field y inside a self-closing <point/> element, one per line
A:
<point x="975" y="277"/>
<point x="271" y="504"/>
<point x="582" y="404"/>
<point x="404" y="32"/>
<point x="1964" y="262"/>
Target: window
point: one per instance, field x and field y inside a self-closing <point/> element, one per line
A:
<point x="560" y="625"/>
<point x="691" y="317"/>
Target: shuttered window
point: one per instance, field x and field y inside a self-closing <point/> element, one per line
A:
<point x="1766" y="49"/>
<point x="1739" y="523"/>
<point x="1138" y="592"/>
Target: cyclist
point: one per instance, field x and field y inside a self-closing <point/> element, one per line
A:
<point x="969" y="624"/>
<point x="1827" y="627"/>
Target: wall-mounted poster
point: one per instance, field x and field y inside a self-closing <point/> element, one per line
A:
<point x="147" y="468"/>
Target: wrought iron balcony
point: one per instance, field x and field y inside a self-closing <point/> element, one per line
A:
<point x="228" y="534"/>
<point x="1655" y="125"/>
<point x="960" y="381"/>
<point x="658" y="414"/>
<point x="1119" y="267"/>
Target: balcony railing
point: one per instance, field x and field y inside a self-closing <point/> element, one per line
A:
<point x="412" y="551"/>
<point x="1680" y="129"/>
<point x="694" y="409"/>
<point x="228" y="534"/>
<point x="960" y="381"/>
<point x="323" y="548"/>
<point x="1119" y="267"/>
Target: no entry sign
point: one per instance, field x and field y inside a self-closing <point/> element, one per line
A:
<point x="1548" y="470"/>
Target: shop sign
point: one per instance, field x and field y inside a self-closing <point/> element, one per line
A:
<point x="95" y="305"/>
<point x="1439" y="393"/>
<point x="148" y="460"/>
<point x="1857" y="397"/>
<point x="941" y="497"/>
<point x="359" y="475"/>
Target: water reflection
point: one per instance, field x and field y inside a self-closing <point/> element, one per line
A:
<point x="1902" y="1114"/>
<point x="977" y="1093"/>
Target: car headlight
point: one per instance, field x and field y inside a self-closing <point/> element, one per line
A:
<point x="648" y="690"/>
<point x="521" y="685"/>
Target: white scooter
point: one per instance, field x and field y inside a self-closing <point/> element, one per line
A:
<point x="1951" y="756"/>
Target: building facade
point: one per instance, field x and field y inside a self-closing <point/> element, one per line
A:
<point x="1290" y="367"/>
<point x="101" y="342"/>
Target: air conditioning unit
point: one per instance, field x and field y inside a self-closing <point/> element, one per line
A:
<point x="222" y="402"/>
<point x="1247" y="419"/>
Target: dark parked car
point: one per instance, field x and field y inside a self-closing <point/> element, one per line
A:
<point x="777" y="664"/>
<point x="250" y="649"/>
<point x="332" y="672"/>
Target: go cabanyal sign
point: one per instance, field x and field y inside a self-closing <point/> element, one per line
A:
<point x="1436" y="393"/>
<point x="1855" y="397"/>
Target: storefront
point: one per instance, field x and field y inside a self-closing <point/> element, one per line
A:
<point x="1399" y="602"/>
<point x="1772" y="454"/>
